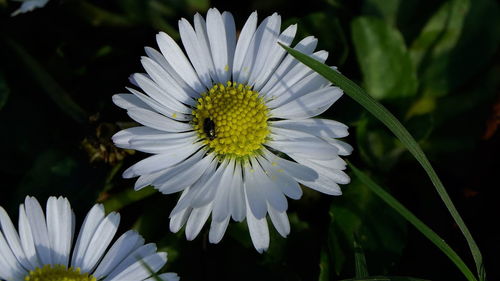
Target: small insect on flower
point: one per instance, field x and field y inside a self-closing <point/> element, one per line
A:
<point x="229" y="121"/>
<point x="209" y="128"/>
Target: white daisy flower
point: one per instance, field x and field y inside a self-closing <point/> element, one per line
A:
<point x="28" y="6"/>
<point x="231" y="125"/>
<point x="43" y="250"/>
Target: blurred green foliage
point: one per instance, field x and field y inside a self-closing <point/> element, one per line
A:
<point x="434" y="64"/>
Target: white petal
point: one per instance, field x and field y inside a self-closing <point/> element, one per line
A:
<point x="217" y="230"/>
<point x="178" y="61"/>
<point x="9" y="266"/>
<point x="194" y="51"/>
<point x="165" y="81"/>
<point x="324" y="183"/>
<point x="329" y="171"/>
<point x="230" y="28"/>
<point x="206" y="193"/>
<point x="140" y="269"/>
<point x="284" y="182"/>
<point x="244" y="40"/>
<point x="89" y="226"/>
<point x="271" y="187"/>
<point x="267" y="43"/>
<point x="120" y="250"/>
<point x="275" y="56"/>
<point x="59" y="226"/>
<point x="158" y="107"/>
<point x="178" y="220"/>
<point x="306" y="46"/>
<point x="127" y="101"/>
<point x="183" y="174"/>
<point x="157" y="121"/>
<point x="160" y="59"/>
<point x="38" y="226"/>
<point x="237" y="196"/>
<point x="26" y="236"/>
<point x="100" y="240"/>
<point x="216" y="31"/>
<point x="312" y="146"/>
<point x="259" y="231"/>
<point x="308" y="105"/>
<point x="196" y="221"/>
<point x="343" y="147"/>
<point x="296" y="170"/>
<point x="170" y="276"/>
<point x="159" y="162"/>
<point x="254" y="192"/>
<point x="314" y="126"/>
<point x="138" y="254"/>
<point x="280" y="221"/>
<point x="122" y="138"/>
<point x="221" y="201"/>
<point x="12" y="238"/>
<point x="162" y="145"/>
<point x="200" y="27"/>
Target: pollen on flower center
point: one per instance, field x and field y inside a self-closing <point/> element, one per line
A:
<point x="58" y="273"/>
<point x="231" y="119"/>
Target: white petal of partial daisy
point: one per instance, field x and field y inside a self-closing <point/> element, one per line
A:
<point x="59" y="226"/>
<point x="306" y="46"/>
<point x="9" y="266"/>
<point x="217" y="230"/>
<point x="270" y="186"/>
<point x="28" y="6"/>
<point x="230" y="28"/>
<point x="314" y="126"/>
<point x="310" y="83"/>
<point x="206" y="193"/>
<point x="159" y="162"/>
<point x="128" y="242"/>
<point x="216" y="31"/>
<point x="158" y="107"/>
<point x="343" y="147"/>
<point x="308" y="105"/>
<point x="244" y="40"/>
<point x="295" y="170"/>
<point x="178" y="220"/>
<point x="311" y="146"/>
<point x="38" y="226"/>
<point x="221" y="201"/>
<point x="294" y="74"/>
<point x="193" y="48"/>
<point x="186" y="200"/>
<point x="196" y="220"/>
<point x="166" y="81"/>
<point x="266" y="45"/>
<point x="127" y="101"/>
<point x="147" y="179"/>
<point x="99" y="242"/>
<point x="259" y="231"/>
<point x="26" y="237"/>
<point x="8" y="229"/>
<point x="254" y="192"/>
<point x="280" y="221"/>
<point x="178" y="61"/>
<point x="170" y="276"/>
<point x="123" y="137"/>
<point x="138" y="270"/>
<point x="183" y="174"/>
<point x="159" y="95"/>
<point x="157" y="121"/>
<point x="177" y="79"/>
<point x="237" y="196"/>
<point x="275" y="56"/>
<point x="285" y="183"/>
<point x="89" y="226"/>
<point x="139" y="253"/>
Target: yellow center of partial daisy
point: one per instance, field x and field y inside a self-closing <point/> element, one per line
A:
<point x="58" y="273"/>
<point x="231" y="119"/>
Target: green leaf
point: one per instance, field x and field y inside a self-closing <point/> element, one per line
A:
<point x="361" y="268"/>
<point x="127" y="197"/>
<point x="4" y="91"/>
<point x="387" y="69"/>
<point x="417" y="223"/>
<point x="385" y="9"/>
<point x="359" y="213"/>
<point x="458" y="40"/>
<point x="379" y="111"/>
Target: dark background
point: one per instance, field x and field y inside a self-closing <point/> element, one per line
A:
<point x="434" y="64"/>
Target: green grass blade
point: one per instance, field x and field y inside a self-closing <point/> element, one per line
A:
<point x="379" y="111"/>
<point x="422" y="227"/>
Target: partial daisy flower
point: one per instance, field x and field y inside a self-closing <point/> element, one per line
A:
<point x="41" y="250"/>
<point x="231" y="125"/>
<point x="28" y="6"/>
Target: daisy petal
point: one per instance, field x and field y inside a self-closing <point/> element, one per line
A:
<point x="157" y="121"/>
<point x="242" y="46"/>
<point x="318" y="127"/>
<point x="12" y="238"/>
<point x="196" y="221"/>
<point x="217" y="230"/>
<point x="59" y="225"/>
<point x="38" y="226"/>
<point x="280" y="221"/>
<point x="259" y="231"/>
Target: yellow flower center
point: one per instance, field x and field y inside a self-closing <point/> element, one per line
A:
<point x="231" y="119"/>
<point x="58" y="273"/>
